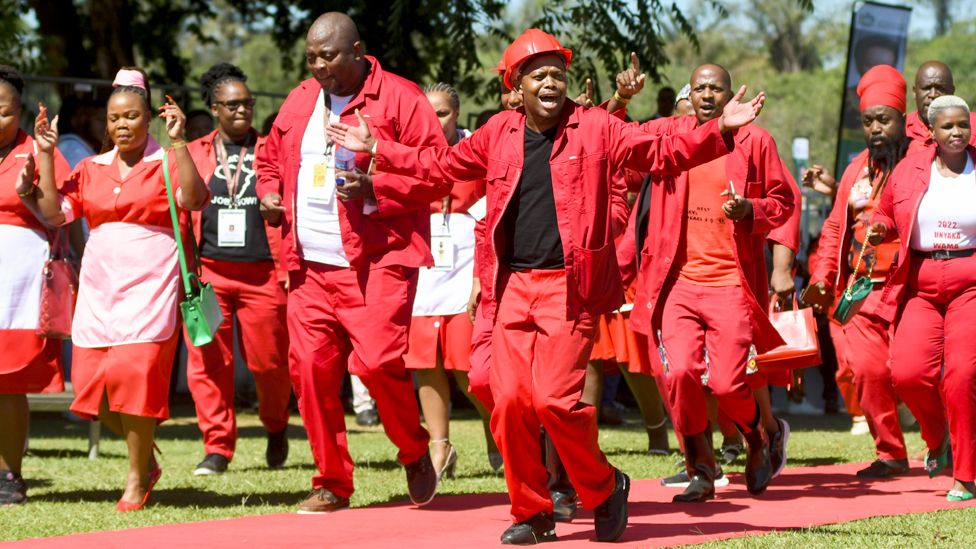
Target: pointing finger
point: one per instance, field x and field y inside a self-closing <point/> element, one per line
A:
<point x="633" y="62"/>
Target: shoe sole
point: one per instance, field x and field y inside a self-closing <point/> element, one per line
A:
<point x="202" y="472"/>
<point x="785" y="428"/>
<point x="720" y="482"/>
<point x="304" y="512"/>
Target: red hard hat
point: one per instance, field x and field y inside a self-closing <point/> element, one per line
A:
<point x="531" y="43"/>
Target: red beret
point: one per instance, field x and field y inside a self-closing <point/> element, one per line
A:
<point x="882" y="85"/>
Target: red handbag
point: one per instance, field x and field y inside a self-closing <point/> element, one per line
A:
<point x="59" y="291"/>
<point x="798" y="328"/>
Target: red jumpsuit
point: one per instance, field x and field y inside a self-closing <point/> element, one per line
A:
<point x="357" y="316"/>
<point x="544" y="319"/>
<point x="863" y="343"/>
<point x="253" y="293"/>
<point x="684" y="313"/>
<point x="932" y="303"/>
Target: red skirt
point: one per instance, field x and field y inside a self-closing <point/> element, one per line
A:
<point x="30" y="364"/>
<point x="135" y="377"/>
<point x="616" y="341"/>
<point x="453" y="335"/>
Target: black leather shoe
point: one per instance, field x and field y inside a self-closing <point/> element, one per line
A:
<point x="421" y="480"/>
<point x="564" y="506"/>
<point x="700" y="468"/>
<point x="276" y="453"/>
<point x="13" y="489"/>
<point x="610" y="517"/>
<point x="759" y="468"/>
<point x="368" y="418"/>
<point x="537" y="529"/>
<point x="884" y="468"/>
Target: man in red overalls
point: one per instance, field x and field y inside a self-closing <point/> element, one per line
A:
<point x="554" y="209"/>
<point x="706" y="290"/>
<point x="863" y="342"/>
<point x="352" y="243"/>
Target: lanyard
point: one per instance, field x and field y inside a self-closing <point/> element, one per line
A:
<point x="232" y="182"/>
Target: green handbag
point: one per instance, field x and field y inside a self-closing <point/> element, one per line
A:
<point x="200" y="308"/>
<point x="857" y="291"/>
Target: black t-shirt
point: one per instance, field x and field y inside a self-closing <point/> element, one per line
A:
<point x="531" y="231"/>
<point x="255" y="246"/>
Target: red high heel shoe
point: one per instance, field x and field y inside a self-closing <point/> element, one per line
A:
<point x="124" y="506"/>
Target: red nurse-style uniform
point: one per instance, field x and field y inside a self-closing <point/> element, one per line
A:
<point x="30" y="364"/>
<point x="125" y="325"/>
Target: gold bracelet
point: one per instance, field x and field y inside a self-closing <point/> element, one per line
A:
<point x="28" y="193"/>
<point x="178" y="144"/>
<point x="619" y="98"/>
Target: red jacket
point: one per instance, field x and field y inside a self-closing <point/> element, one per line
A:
<point x="897" y="210"/>
<point x="591" y="147"/>
<point x="756" y="170"/>
<point x="788" y="234"/>
<point x="831" y="265"/>
<point x="205" y="159"/>
<point x="921" y="136"/>
<point x="398" y="233"/>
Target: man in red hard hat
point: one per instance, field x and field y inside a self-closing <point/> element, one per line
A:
<point x="554" y="209"/>
<point x="863" y="342"/>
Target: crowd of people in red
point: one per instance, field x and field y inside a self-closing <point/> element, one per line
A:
<point x="367" y="233"/>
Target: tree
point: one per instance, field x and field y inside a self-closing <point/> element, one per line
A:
<point x="781" y="27"/>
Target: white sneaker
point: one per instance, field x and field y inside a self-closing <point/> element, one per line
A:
<point x="860" y="426"/>
<point x="804" y="408"/>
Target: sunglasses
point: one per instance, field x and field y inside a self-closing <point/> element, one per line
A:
<point x="234" y="105"/>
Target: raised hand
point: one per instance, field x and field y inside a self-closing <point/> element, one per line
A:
<point x="25" y="181"/>
<point x="175" y="119"/>
<point x="586" y="98"/>
<point x="45" y="132"/>
<point x="819" y="179"/>
<point x="737" y="114"/>
<point x="631" y="80"/>
<point x="737" y="207"/>
<point x="356" y="139"/>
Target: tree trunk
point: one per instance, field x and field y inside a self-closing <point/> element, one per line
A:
<point x="111" y="32"/>
<point x="63" y="45"/>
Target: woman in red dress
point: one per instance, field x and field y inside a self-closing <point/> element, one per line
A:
<point x="30" y="364"/>
<point x="125" y="327"/>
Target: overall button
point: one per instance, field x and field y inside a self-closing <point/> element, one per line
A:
<point x="117" y="190"/>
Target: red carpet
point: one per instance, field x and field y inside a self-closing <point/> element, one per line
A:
<point x="801" y="497"/>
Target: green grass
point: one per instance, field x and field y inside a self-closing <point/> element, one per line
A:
<point x="70" y="494"/>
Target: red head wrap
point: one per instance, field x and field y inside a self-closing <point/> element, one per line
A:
<point x="882" y="85"/>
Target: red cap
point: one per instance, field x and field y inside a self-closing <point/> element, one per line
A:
<point x="531" y="43"/>
<point x="882" y="85"/>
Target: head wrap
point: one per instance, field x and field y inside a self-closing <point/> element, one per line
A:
<point x="128" y="77"/>
<point x="684" y="93"/>
<point x="882" y="85"/>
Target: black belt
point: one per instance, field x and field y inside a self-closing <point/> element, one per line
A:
<point x="942" y="255"/>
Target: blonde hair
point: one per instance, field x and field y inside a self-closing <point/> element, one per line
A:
<point x="945" y="102"/>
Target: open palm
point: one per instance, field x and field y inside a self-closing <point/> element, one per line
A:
<point x="737" y="114"/>
<point x="354" y="138"/>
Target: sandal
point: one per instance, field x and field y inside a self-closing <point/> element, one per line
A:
<point x="450" y="464"/>
<point x="935" y="464"/>
<point x="959" y="495"/>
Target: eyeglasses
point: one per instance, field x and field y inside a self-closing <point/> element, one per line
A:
<point x="234" y="105"/>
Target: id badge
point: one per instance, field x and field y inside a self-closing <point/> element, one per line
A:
<point x="231" y="228"/>
<point x="323" y="183"/>
<point x="442" y="247"/>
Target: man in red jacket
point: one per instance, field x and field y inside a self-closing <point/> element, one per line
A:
<point x="352" y="243"/>
<point x="707" y="288"/>
<point x="933" y="79"/>
<point x="862" y="343"/>
<point x="554" y="209"/>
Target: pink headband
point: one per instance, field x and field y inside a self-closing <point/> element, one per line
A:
<point x="127" y="77"/>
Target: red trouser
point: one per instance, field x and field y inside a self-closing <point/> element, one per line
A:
<point x="479" y="382"/>
<point x="863" y="345"/>
<point x="695" y="318"/>
<point x="537" y="375"/>
<point x="934" y="355"/>
<point x="337" y="317"/>
<point x="251" y="292"/>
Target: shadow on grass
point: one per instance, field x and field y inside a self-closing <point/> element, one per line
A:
<point x="180" y="497"/>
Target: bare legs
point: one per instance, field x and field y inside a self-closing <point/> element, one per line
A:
<point x="138" y="433"/>
<point x="14" y="417"/>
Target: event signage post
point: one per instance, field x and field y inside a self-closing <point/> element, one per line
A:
<point x="879" y="35"/>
